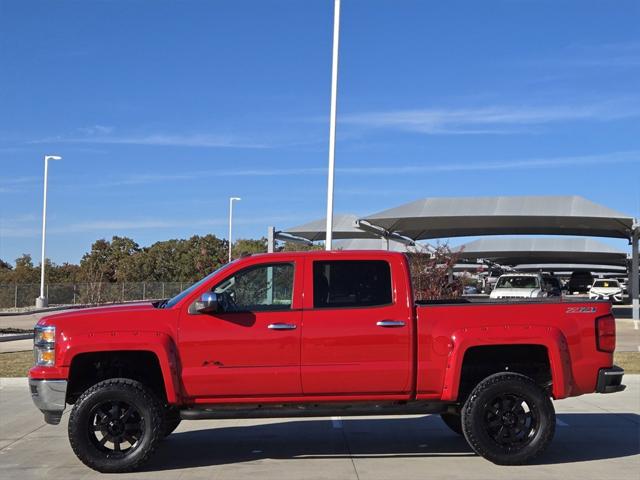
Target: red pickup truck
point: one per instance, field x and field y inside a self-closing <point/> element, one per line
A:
<point x="318" y="334"/>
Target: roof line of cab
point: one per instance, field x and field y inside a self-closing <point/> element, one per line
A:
<point x="329" y="253"/>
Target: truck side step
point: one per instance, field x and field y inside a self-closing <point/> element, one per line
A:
<point x="217" y="411"/>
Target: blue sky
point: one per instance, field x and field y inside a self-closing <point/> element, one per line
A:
<point x="162" y="110"/>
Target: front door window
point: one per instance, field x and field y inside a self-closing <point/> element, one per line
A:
<point x="258" y="289"/>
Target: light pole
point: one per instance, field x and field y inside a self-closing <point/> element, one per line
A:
<point x="42" y="301"/>
<point x="231" y="199"/>
<point x="332" y="123"/>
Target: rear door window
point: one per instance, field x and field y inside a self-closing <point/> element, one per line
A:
<point x="351" y="283"/>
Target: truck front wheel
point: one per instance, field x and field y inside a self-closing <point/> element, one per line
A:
<point x="508" y="419"/>
<point x="171" y="420"/>
<point x="116" y="425"/>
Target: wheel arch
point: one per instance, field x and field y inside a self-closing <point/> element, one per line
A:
<point x="151" y="358"/>
<point x="547" y="345"/>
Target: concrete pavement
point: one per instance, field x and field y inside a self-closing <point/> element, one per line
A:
<point x="598" y="436"/>
<point x="16" y="346"/>
<point x="627" y="335"/>
<point x="25" y="321"/>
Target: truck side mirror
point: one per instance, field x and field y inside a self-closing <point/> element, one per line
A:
<point x="206" y="304"/>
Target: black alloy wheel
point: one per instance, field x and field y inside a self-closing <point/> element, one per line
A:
<point x="116" y="427"/>
<point x="509" y="420"/>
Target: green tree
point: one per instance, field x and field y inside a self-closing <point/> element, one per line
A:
<point x="95" y="265"/>
<point x="123" y="266"/>
<point x="298" y="247"/>
<point x="248" y="246"/>
<point x="6" y="272"/>
<point x="25" y="272"/>
<point x="65" y="273"/>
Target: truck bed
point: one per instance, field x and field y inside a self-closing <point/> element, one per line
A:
<point x="446" y="329"/>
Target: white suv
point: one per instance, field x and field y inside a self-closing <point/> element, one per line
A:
<point x="518" y="285"/>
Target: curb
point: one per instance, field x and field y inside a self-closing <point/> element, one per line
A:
<point x="41" y="310"/>
<point x="13" y="338"/>
<point x="14" y="382"/>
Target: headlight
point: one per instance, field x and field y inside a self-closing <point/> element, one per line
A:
<point x="44" y="346"/>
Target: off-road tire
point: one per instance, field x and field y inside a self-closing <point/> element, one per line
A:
<point x="453" y="421"/>
<point x="481" y="412"/>
<point x="171" y="420"/>
<point x="122" y="391"/>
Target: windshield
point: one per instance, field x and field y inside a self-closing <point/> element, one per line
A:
<point x="551" y="282"/>
<point x="517" y="282"/>
<point x="173" y="301"/>
<point x="606" y="284"/>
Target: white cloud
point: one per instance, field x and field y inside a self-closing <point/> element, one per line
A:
<point x="146" y="178"/>
<point x="96" y="130"/>
<point x="157" y="139"/>
<point x="18" y="180"/>
<point x="491" y="119"/>
<point x="16" y="184"/>
<point x="116" y="226"/>
<point x="631" y="156"/>
<point x="612" y="55"/>
<point x="599" y="159"/>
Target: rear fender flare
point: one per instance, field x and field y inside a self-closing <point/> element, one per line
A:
<point x="549" y="337"/>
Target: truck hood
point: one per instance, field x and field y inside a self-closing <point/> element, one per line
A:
<point x="130" y="310"/>
<point x="605" y="290"/>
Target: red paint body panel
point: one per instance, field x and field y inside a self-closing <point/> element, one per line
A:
<point x="345" y="352"/>
<point x="336" y="354"/>
<point x="237" y="354"/>
<point x="569" y="339"/>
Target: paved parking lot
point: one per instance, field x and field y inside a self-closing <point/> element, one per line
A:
<point x="627" y="335"/>
<point x="598" y="436"/>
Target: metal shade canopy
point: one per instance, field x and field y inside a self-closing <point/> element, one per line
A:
<point x="343" y="228"/>
<point x="571" y="267"/>
<point x="522" y="215"/>
<point x="514" y="251"/>
<point x="378" y="244"/>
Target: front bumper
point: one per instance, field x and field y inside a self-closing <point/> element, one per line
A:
<point x="50" y="397"/>
<point x="615" y="298"/>
<point x="610" y="380"/>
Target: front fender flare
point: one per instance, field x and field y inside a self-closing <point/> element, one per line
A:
<point x="158" y="343"/>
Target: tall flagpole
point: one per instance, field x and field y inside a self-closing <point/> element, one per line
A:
<point x="42" y="300"/>
<point x="332" y="125"/>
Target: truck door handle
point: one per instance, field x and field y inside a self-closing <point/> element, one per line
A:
<point x="390" y="323"/>
<point x="281" y="326"/>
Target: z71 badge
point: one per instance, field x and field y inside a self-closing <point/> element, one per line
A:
<point x="581" y="310"/>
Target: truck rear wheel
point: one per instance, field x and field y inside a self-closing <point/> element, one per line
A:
<point x="508" y="419"/>
<point x="116" y="425"/>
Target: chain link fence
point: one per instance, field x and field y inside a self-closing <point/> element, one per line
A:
<point x="24" y="295"/>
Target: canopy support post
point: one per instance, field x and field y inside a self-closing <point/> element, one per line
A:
<point x="271" y="239"/>
<point x="634" y="280"/>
